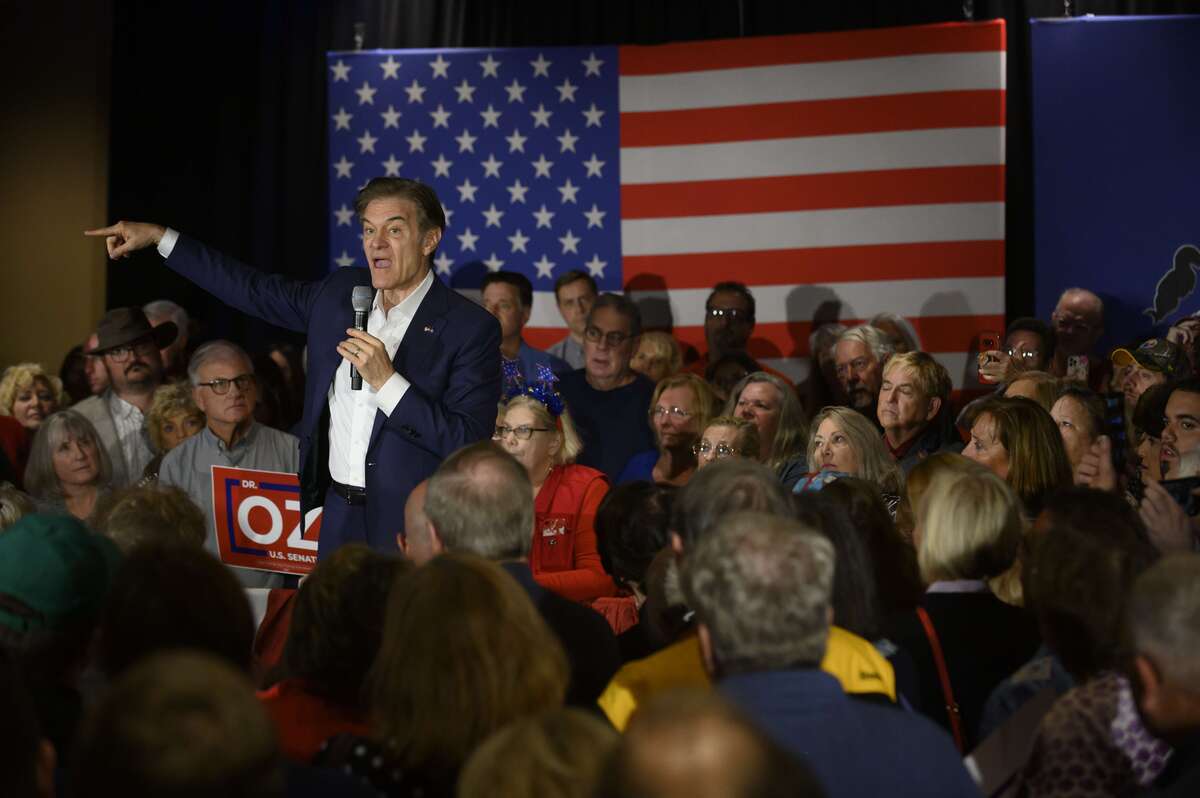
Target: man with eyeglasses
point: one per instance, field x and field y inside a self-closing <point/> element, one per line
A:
<point x="224" y="388"/>
<point x="128" y="347"/>
<point x="728" y="324"/>
<point x="607" y="399"/>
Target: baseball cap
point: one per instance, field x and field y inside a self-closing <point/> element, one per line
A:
<point x="53" y="572"/>
<point x="1156" y="354"/>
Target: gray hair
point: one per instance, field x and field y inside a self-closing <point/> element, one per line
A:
<point x="40" y="478"/>
<point x="166" y="309"/>
<point x="215" y="350"/>
<point x="727" y="486"/>
<point x="480" y="500"/>
<point x="763" y="586"/>
<point x="873" y="338"/>
<point x="1163" y="618"/>
<point x="14" y="505"/>
<point x="792" y="431"/>
<point x="623" y="305"/>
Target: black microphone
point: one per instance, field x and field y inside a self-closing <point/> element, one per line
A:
<point x="360" y="299"/>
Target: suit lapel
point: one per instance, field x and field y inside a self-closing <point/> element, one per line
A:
<point x="421" y="342"/>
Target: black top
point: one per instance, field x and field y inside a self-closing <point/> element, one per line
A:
<point x="587" y="639"/>
<point x="614" y="425"/>
<point x="983" y="640"/>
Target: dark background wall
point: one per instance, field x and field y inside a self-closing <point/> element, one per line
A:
<point x="215" y="118"/>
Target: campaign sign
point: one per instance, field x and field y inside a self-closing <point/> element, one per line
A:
<point x="257" y="515"/>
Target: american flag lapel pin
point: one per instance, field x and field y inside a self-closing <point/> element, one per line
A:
<point x="428" y="329"/>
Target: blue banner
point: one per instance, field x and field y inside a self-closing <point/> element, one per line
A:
<point x="1116" y="146"/>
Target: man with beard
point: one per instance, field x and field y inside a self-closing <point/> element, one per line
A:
<point x="728" y="324"/>
<point x="129" y="348"/>
<point x="859" y="357"/>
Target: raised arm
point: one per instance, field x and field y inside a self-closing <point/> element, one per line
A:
<point x="270" y="297"/>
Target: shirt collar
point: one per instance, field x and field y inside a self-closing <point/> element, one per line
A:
<point x="121" y="408"/>
<point x="408" y="307"/>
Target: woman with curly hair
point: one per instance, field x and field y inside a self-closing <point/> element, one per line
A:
<point x="30" y="395"/>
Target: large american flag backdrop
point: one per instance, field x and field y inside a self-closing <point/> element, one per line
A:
<point x="839" y="175"/>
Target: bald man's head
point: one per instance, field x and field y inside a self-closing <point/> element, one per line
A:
<point x="695" y="745"/>
<point x="1078" y="321"/>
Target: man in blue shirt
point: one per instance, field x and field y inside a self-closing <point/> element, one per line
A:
<point x="509" y="297"/>
<point x="761" y="586"/>
<point x="609" y="402"/>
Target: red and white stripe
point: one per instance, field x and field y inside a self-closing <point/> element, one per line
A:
<point x="864" y="168"/>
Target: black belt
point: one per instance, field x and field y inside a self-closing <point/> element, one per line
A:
<point x="352" y="494"/>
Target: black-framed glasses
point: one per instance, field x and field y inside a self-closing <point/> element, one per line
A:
<point x="613" y="339"/>
<point x="732" y="314"/>
<point x="523" y="432"/>
<point x="678" y="412"/>
<point x="720" y="450"/>
<point x="221" y="386"/>
<point x="120" y="354"/>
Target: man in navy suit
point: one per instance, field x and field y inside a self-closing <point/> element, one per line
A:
<point x="429" y="359"/>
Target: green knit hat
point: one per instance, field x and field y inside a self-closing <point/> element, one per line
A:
<point x="53" y="572"/>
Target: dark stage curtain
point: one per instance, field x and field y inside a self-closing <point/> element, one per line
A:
<point x="218" y="108"/>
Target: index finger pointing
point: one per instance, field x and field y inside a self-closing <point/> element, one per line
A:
<point x="103" y="231"/>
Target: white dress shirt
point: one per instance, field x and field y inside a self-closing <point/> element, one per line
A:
<point x="130" y="424"/>
<point x="352" y="413"/>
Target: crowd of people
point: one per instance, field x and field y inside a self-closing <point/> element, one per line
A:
<point x="620" y="567"/>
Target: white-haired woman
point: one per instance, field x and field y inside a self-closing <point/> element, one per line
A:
<point x="844" y="440"/>
<point x="775" y="409"/>
<point x="68" y="468"/>
<point x="535" y="427"/>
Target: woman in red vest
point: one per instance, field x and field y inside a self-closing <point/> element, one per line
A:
<point x="535" y="427"/>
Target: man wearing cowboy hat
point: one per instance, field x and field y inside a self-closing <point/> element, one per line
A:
<point x="128" y="347"/>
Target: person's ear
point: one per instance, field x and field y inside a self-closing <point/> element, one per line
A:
<point x="430" y="242"/>
<point x="1150" y="685"/>
<point x="435" y="541"/>
<point x="706" y="650"/>
<point x="677" y="545"/>
<point x="47" y="762"/>
<point x="935" y="404"/>
<point x="525" y="314"/>
<point x="402" y="543"/>
<point x="556" y="443"/>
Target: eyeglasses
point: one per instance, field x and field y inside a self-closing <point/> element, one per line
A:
<point x="721" y="450"/>
<point x="733" y="314"/>
<point x="523" y="432"/>
<point x="613" y="339"/>
<point x="120" y="354"/>
<point x="678" y="412"/>
<point x="1022" y="354"/>
<point x="221" y="386"/>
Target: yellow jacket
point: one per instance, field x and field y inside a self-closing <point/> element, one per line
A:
<point x="851" y="660"/>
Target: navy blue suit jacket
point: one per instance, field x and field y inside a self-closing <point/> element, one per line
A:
<point x="450" y="355"/>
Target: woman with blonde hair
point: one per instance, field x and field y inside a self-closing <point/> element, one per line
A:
<point x="1018" y="441"/>
<point x="968" y="531"/>
<point x="68" y="468"/>
<point x="657" y="356"/>
<point x="918" y="481"/>
<point x="29" y="394"/>
<point x="775" y="409"/>
<point x="679" y="412"/>
<point x="844" y="440"/>
<point x="172" y="419"/>
<point x="535" y="426"/>
<point x="464" y="653"/>
<point x="726" y="436"/>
